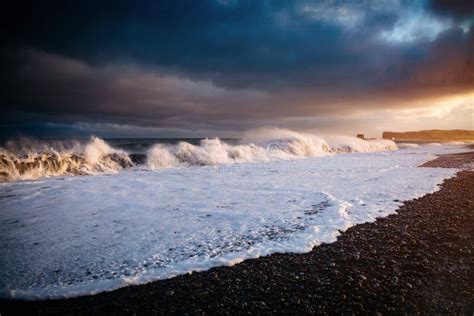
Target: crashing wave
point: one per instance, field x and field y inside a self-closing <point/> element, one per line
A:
<point x="35" y="160"/>
<point x="285" y="145"/>
<point x="348" y="144"/>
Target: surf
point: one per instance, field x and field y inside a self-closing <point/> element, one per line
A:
<point x="27" y="159"/>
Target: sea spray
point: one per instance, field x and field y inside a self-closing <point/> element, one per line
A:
<point x="347" y="144"/>
<point x="29" y="159"/>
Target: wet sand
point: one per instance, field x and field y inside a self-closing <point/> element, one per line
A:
<point x="420" y="260"/>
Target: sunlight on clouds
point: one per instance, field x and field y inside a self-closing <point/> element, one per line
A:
<point x="455" y="112"/>
<point x="444" y="108"/>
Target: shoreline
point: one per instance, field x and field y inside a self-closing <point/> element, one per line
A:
<point x="421" y="259"/>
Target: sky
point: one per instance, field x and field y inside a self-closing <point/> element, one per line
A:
<point x="205" y="68"/>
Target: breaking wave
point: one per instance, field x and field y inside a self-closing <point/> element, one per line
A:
<point x="27" y="159"/>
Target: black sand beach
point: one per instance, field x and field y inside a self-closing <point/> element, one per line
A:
<point x="418" y="261"/>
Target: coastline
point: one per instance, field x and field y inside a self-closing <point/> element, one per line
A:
<point x="419" y="260"/>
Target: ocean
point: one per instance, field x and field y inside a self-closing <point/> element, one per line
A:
<point x="84" y="216"/>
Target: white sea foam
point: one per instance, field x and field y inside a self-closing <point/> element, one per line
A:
<point x="407" y="145"/>
<point x="261" y="145"/>
<point x="72" y="236"/>
<point x="349" y="144"/>
<point x="456" y="143"/>
<point x="279" y="145"/>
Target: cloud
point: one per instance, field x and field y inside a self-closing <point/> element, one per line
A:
<point x="228" y="65"/>
<point x="351" y="15"/>
<point x="459" y="8"/>
<point x="134" y="100"/>
<point x="237" y="44"/>
<point x="56" y="85"/>
<point x="415" y="27"/>
<point x="344" y="15"/>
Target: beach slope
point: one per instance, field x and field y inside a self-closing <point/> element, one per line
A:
<point x="419" y="260"/>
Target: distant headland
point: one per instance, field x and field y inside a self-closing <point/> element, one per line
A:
<point x="431" y="135"/>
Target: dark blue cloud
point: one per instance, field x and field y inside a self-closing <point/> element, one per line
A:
<point x="235" y="43"/>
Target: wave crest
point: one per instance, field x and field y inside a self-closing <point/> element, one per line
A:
<point x="28" y="159"/>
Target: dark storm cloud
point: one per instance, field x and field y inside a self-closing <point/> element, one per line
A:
<point x="225" y="65"/>
<point x="457" y="8"/>
<point x="235" y="43"/>
<point x="52" y="84"/>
